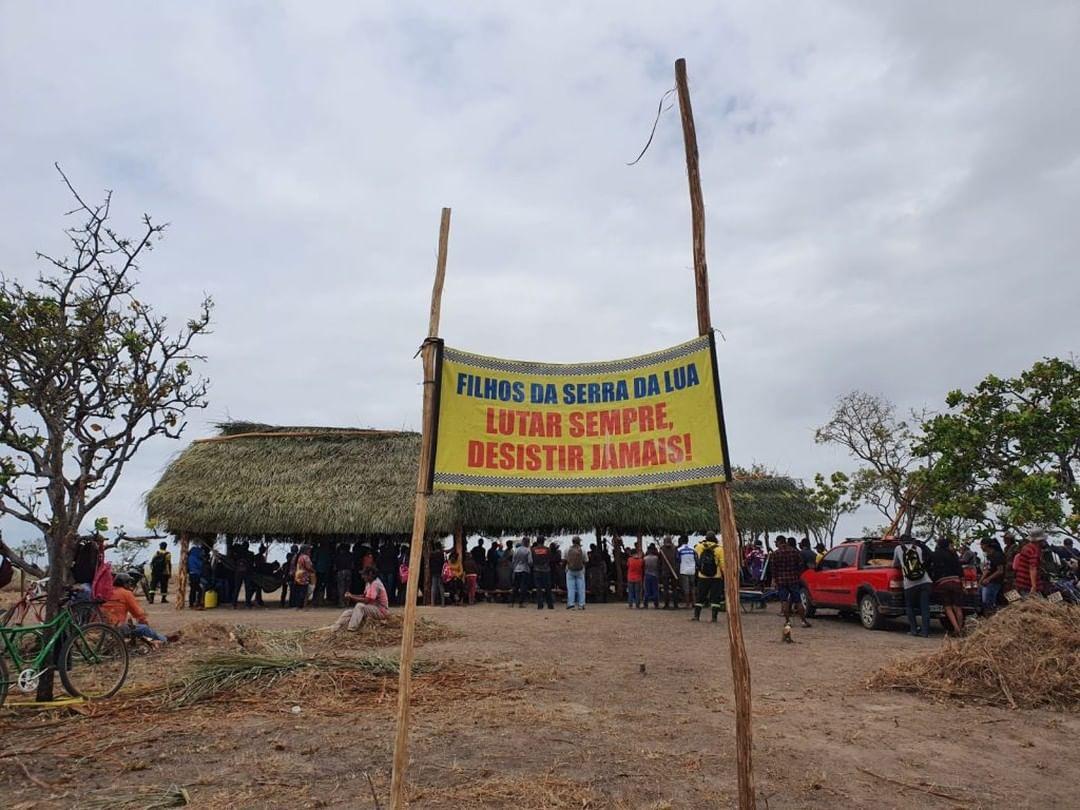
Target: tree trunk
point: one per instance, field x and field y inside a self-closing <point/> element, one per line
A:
<point x="61" y="542"/>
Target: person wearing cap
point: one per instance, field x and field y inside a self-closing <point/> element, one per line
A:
<point x="1028" y="565"/>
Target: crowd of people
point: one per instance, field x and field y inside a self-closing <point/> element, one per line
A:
<point x="312" y="574"/>
<point x="671" y="573"/>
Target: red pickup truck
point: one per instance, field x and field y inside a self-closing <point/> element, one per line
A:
<point x="858" y="577"/>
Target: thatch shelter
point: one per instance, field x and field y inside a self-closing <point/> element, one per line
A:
<point x="259" y="480"/>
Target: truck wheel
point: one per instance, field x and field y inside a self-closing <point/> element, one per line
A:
<point x="869" y="613"/>
<point x="807" y="603"/>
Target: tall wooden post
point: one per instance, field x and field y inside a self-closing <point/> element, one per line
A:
<point x="428" y="352"/>
<point x="740" y="667"/>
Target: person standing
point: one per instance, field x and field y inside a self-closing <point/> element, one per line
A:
<point x="575" y="575"/>
<point x="372" y="604"/>
<point x="472" y="578"/>
<point x="808" y="555"/>
<point x="1030" y="578"/>
<point x="522" y="562"/>
<point x="436" y="561"/>
<point x="243" y="574"/>
<point x="541" y="573"/>
<point x="993" y="574"/>
<point x="785" y="565"/>
<point x="948" y="575"/>
<point x="343" y="566"/>
<point x="489" y="573"/>
<point x="1009" y="552"/>
<point x="387" y="560"/>
<point x="687" y="568"/>
<point x="197" y="568"/>
<point x="911" y="561"/>
<point x="669" y="583"/>
<point x="504" y="574"/>
<point x="635" y="576"/>
<point x="302" y="578"/>
<point x="160" y="572"/>
<point x="710" y="576"/>
<point x="597" y="574"/>
<point x="652" y="576"/>
<point x="287" y="572"/>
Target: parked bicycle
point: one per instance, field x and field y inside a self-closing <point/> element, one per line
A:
<point x="91" y="659"/>
<point x="30" y="609"/>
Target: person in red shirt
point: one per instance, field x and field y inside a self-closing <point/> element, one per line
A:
<point x="1028" y="565"/>
<point x="635" y="577"/>
<point x="123" y="604"/>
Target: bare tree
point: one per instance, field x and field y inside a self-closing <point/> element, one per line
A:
<point x="867" y="426"/>
<point x="88" y="374"/>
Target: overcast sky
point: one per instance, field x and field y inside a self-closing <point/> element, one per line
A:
<point x="891" y="192"/>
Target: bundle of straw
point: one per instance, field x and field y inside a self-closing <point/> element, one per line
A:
<point x="148" y="798"/>
<point x="230" y="671"/>
<point x="1026" y="655"/>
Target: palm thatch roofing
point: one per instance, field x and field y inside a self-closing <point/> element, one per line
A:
<point x="255" y="479"/>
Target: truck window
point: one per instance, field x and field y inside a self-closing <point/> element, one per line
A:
<point x="879" y="555"/>
<point x="849" y="557"/>
<point x="834" y="559"/>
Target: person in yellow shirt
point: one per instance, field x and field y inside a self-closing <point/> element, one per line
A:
<point x="710" y="576"/>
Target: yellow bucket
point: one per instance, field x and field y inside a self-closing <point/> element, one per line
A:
<point x="210" y="600"/>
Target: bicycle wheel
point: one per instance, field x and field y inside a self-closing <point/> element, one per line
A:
<point x="3" y="681"/>
<point x="94" y="662"/>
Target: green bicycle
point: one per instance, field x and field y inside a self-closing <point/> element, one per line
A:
<point x="91" y="659"/>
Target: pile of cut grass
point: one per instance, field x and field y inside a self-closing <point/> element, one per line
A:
<point x="1025" y="656"/>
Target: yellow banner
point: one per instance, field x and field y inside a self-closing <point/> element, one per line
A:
<point x="642" y="423"/>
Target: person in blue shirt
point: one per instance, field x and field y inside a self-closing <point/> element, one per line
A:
<point x="196" y="569"/>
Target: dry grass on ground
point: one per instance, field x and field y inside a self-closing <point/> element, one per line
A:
<point x="1026" y="655"/>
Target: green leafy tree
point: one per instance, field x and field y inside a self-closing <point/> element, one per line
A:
<point x="867" y="426"/>
<point x="833" y="498"/>
<point x="1007" y="454"/>
<point x="88" y="374"/>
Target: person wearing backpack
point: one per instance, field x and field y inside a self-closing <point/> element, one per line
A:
<point x="710" y="576"/>
<point x="912" y="562"/>
<point x="160" y="572"/>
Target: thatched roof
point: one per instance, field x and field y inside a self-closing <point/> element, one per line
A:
<point x="257" y="479"/>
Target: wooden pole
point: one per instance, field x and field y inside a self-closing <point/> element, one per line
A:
<point x="740" y="666"/>
<point x="428" y="351"/>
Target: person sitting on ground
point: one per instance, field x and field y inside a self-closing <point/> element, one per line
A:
<point x="373" y="603"/>
<point x="123" y="604"/>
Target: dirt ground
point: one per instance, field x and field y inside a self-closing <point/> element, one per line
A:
<point x="551" y="709"/>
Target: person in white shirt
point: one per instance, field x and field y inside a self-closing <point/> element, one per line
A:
<point x="913" y="562"/>
<point x="687" y="569"/>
